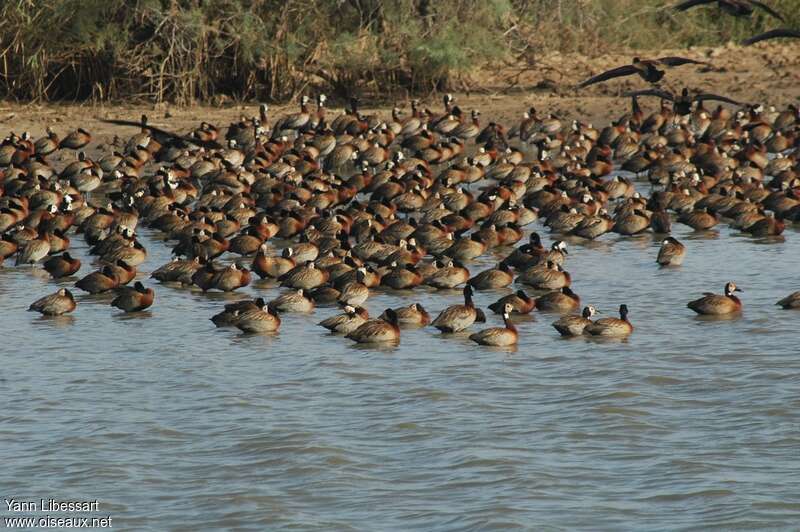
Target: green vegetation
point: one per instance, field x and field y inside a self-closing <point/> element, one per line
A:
<point x="187" y="50"/>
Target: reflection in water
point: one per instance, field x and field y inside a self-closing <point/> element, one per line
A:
<point x="64" y="320"/>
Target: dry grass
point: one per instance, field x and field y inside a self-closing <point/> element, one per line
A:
<point x="189" y="50"/>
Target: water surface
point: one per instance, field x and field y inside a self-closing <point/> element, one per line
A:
<point x="176" y="425"/>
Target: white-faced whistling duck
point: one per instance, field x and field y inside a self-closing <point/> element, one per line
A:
<point x="671" y="252"/>
<point x="133" y="299"/>
<point x="258" y="319"/>
<point x="378" y="331"/>
<point x="232" y="311"/>
<point x="63" y="265"/>
<point x="521" y="303"/>
<point x="498" y="336"/>
<point x="574" y="325"/>
<point x="413" y="315"/>
<point x="177" y="271"/>
<point x="612" y="327"/>
<point x="498" y="277"/>
<point x="292" y="301"/>
<point x="791" y="301"/>
<point x="562" y="301"/>
<point x="56" y="304"/>
<point x="459" y="317"/>
<point x="98" y="282"/>
<point x="348" y="321"/>
<point x="717" y="305"/>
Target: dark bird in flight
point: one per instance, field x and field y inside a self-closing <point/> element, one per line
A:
<point x="772" y="34"/>
<point x="162" y="135"/>
<point x="683" y="101"/>
<point x="737" y="8"/>
<point x="647" y="69"/>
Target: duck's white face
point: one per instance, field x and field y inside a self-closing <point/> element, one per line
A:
<point x="592" y="310"/>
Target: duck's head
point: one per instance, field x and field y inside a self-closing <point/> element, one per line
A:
<point x="730" y="288"/>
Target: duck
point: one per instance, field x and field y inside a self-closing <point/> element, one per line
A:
<point x="450" y="274"/>
<point x="292" y="301"/>
<point x="717" y="305"/>
<point x="231" y="278"/>
<point x="7" y="247"/>
<point x="62" y="302"/>
<point x="177" y="271"/>
<point x="575" y="325"/>
<point x="564" y="300"/>
<point x="306" y="276"/>
<point x="769" y="225"/>
<point x="350" y="320"/>
<point x="378" y="331"/>
<point x="230" y="314"/>
<point x="258" y="319"/>
<point x="76" y="140"/>
<point x="324" y="295"/>
<point x="266" y="266"/>
<point x="123" y="272"/>
<point x="355" y="292"/>
<point x="63" y="265"/>
<point x="413" y="314"/>
<point x="736" y="8"/>
<point x="772" y="34"/>
<point x="547" y="276"/>
<point x="498" y="336"/>
<point x="34" y="250"/>
<point x="647" y="69"/>
<point x="465" y="249"/>
<point x="498" y="277"/>
<point x="402" y="277"/>
<point x="527" y="255"/>
<point x="612" y="327"/>
<point x="671" y="252"/>
<point x="456" y="318"/>
<point x="133" y="299"/>
<point x="99" y="281"/>
<point x="699" y="220"/>
<point x="631" y="223"/>
<point x="792" y="301"/>
<point x="521" y="303"/>
<point x="592" y="227"/>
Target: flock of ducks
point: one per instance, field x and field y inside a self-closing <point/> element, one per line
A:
<point x="333" y="208"/>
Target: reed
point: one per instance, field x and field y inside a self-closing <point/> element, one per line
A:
<point x="271" y="50"/>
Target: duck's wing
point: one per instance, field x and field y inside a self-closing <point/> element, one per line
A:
<point x="651" y="92"/>
<point x="673" y="61"/>
<point x="768" y="9"/>
<point x="683" y="6"/>
<point x="618" y="72"/>
<point x="164" y="134"/>
<point x="701" y="97"/>
<point x="772" y="34"/>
